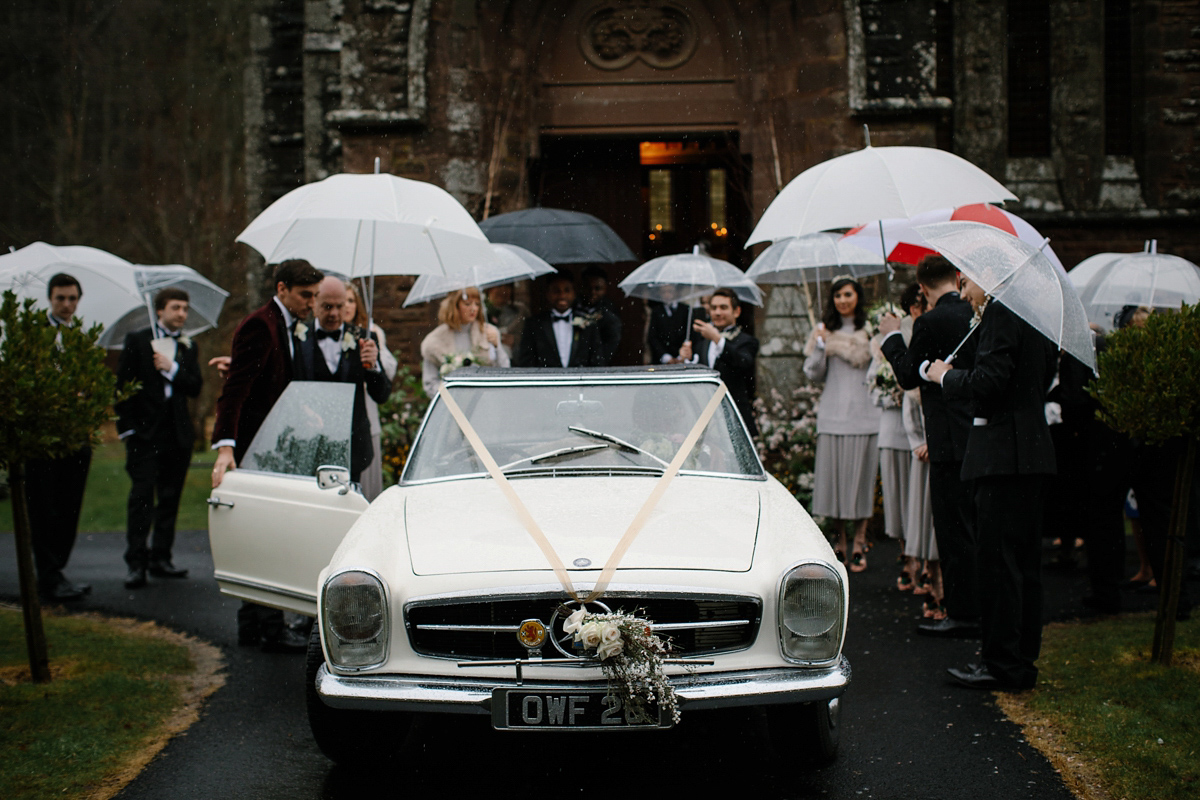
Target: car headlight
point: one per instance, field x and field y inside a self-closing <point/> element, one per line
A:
<point x="355" y="619"/>
<point x="810" y="613"/>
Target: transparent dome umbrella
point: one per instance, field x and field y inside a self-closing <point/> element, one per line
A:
<point x="205" y="301"/>
<point x="815" y="257"/>
<point x="1107" y="282"/>
<point x="687" y="276"/>
<point x="559" y="236"/>
<point x="1019" y="276"/>
<point x="511" y="263"/>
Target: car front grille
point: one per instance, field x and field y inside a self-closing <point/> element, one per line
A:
<point x="475" y="628"/>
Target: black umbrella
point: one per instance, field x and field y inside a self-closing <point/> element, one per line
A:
<point x="558" y="236"/>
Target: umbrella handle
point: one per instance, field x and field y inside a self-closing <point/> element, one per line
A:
<point x="950" y="358"/>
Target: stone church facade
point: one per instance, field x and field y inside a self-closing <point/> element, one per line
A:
<point x="677" y="121"/>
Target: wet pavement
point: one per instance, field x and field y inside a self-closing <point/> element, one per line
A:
<point x="906" y="731"/>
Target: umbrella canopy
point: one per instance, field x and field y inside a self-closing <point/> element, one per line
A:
<point x="361" y="225"/>
<point x="906" y="246"/>
<point x="511" y="263"/>
<point x="558" y="236"/>
<point x="1107" y="282"/>
<point x="875" y="183"/>
<point x="205" y="301"/>
<point x="1019" y="276"/>
<point x="686" y="276"/>
<point x="814" y="257"/>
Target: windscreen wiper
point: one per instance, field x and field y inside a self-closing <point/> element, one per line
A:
<point x="620" y="443"/>
<point x="562" y="452"/>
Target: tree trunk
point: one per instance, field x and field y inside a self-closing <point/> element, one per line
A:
<point x="31" y="607"/>
<point x="1172" y="577"/>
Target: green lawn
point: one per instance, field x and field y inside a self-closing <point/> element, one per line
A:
<point x="1134" y="721"/>
<point x="108" y="490"/>
<point x="110" y="694"/>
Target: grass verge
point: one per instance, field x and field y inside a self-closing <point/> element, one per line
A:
<point x="120" y="690"/>
<point x="108" y="491"/>
<point x="1113" y="723"/>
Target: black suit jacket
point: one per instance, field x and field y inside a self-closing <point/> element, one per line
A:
<point x="310" y="366"/>
<point x="668" y="330"/>
<point x="608" y="329"/>
<point x="1008" y="384"/>
<point x="539" y="348"/>
<point x="935" y="335"/>
<point x="736" y="365"/>
<point x="147" y="411"/>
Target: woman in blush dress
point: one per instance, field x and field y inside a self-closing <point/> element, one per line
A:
<point x="463" y="339"/>
<point x="355" y="313"/>
<point x="838" y="353"/>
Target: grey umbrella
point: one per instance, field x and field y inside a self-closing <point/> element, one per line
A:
<point x="558" y="236"/>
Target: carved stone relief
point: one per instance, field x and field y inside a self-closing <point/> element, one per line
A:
<point x="614" y="35"/>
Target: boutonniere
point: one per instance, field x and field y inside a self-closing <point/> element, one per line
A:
<point x="300" y="331"/>
<point x="978" y="315"/>
<point x="732" y="333"/>
<point x="580" y="321"/>
<point x="184" y="341"/>
<point x="349" y="342"/>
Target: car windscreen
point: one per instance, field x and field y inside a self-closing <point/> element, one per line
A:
<point x="308" y="427"/>
<point x="559" y="428"/>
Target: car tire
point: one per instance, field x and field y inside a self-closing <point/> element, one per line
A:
<point x="807" y="732"/>
<point x="350" y="737"/>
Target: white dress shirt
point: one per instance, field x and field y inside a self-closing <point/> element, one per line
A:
<point x="331" y="348"/>
<point x="564" y="332"/>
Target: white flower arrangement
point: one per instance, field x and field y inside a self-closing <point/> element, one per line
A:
<point x="631" y="656"/>
<point x="349" y="342"/>
<point x="582" y="321"/>
<point x="300" y="331"/>
<point x="184" y="340"/>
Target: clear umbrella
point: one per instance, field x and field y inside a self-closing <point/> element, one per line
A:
<point x="1107" y="282"/>
<point x="1019" y="276"/>
<point x="511" y="264"/>
<point x="205" y="301"/>
<point x="687" y="276"/>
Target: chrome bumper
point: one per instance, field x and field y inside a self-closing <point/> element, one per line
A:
<point x="471" y="696"/>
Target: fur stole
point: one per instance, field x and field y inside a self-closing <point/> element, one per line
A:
<point x="853" y="347"/>
<point x="440" y="343"/>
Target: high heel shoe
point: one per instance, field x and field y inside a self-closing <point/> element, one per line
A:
<point x="858" y="561"/>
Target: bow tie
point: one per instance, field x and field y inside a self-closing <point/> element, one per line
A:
<point x="324" y="334"/>
<point x="556" y="317"/>
<point x="172" y="334"/>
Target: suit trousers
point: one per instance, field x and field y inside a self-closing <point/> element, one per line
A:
<point x="1153" y="480"/>
<point x="953" y="508"/>
<point x="1008" y="519"/>
<point x="157" y="466"/>
<point x="54" y="488"/>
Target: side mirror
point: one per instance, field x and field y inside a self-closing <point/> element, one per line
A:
<point x="329" y="476"/>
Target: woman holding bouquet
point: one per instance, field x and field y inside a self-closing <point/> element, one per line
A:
<point x="462" y="339"/>
<point x="838" y="353"/>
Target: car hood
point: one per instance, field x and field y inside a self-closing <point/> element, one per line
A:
<point x="468" y="526"/>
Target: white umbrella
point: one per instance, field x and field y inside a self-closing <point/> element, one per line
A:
<point x="107" y="281"/>
<point x="875" y="183"/>
<point x="367" y="225"/>
<point x="205" y="301"/>
<point x="510" y="263"/>
<point x="1107" y="282"/>
<point x="1019" y="276"/>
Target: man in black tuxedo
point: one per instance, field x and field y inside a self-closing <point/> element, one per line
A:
<point x="723" y="345"/>
<point x="558" y="337"/>
<point x="668" y="328"/>
<point x="157" y="430"/>
<point x="595" y="306"/>
<point x="1009" y="456"/>
<point x="935" y="334"/>
<point x="340" y="352"/>
<point x="54" y="485"/>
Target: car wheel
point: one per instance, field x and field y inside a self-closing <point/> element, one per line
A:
<point x="350" y="737"/>
<point x="807" y="732"/>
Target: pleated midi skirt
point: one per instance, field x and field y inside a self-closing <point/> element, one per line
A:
<point x="894" y="468"/>
<point x="919" y="541"/>
<point x="844" y="478"/>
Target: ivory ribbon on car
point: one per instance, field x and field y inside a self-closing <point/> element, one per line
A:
<point x="635" y="527"/>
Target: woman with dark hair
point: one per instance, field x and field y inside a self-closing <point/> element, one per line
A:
<point x="838" y="353"/>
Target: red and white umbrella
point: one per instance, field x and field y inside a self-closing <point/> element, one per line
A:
<point x="906" y="246"/>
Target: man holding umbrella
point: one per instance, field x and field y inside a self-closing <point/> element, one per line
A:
<point x="723" y="345"/>
<point x="1009" y="454"/>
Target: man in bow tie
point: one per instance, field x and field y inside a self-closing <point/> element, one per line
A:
<point x="558" y="337"/>
<point x="260" y="368"/>
<point x="157" y="430"/>
<point x="345" y="354"/>
<point x="722" y="345"/>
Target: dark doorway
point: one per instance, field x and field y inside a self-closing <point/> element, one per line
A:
<point x="662" y="195"/>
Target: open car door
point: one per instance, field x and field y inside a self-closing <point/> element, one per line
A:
<point x="272" y="525"/>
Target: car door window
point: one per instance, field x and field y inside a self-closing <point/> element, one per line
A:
<point x="308" y="427"/>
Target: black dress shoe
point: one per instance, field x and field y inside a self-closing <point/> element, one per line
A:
<point x="977" y="676"/>
<point x="63" y="590"/>
<point x="286" y="641"/>
<point x="163" y="568"/>
<point x="136" y="578"/>
<point x="950" y="628"/>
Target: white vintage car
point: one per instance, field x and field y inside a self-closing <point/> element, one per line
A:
<point x="440" y="596"/>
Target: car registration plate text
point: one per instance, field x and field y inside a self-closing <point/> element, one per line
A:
<point x="576" y="709"/>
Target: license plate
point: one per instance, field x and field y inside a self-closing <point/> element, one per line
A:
<point x="574" y="709"/>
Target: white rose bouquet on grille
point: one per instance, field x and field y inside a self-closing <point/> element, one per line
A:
<point x="631" y="656"/>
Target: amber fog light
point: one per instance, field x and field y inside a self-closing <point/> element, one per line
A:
<point x="355" y="619"/>
<point x="532" y="634"/>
